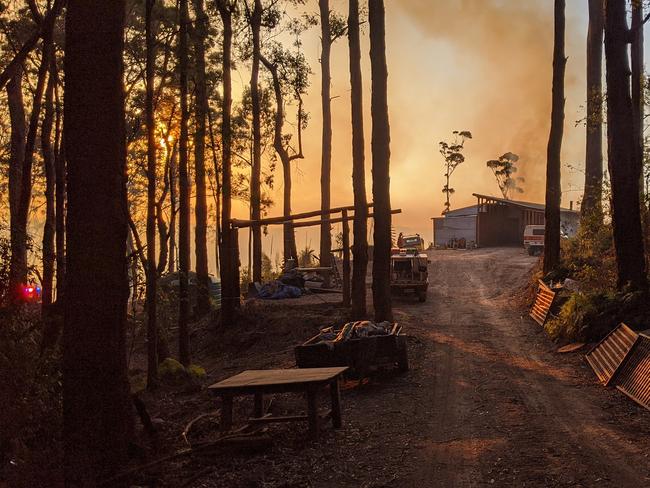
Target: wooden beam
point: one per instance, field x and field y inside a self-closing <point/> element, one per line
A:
<point x="337" y="220"/>
<point x="346" y="259"/>
<point x="284" y="220"/>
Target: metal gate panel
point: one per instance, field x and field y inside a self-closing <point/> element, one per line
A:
<point x="543" y="303"/>
<point x="633" y="378"/>
<point x="610" y="353"/>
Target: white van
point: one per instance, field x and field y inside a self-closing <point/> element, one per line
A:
<point x="534" y="239"/>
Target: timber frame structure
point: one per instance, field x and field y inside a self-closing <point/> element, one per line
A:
<point x="325" y="216"/>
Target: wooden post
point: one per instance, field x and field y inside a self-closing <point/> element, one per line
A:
<point x="226" y="412"/>
<point x="336" y="404"/>
<point x="258" y="411"/>
<point x="346" y="259"/>
<point x="312" y="412"/>
<point x="234" y="234"/>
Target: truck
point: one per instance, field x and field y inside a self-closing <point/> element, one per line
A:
<point x="534" y="239"/>
<point x="411" y="242"/>
<point x="409" y="272"/>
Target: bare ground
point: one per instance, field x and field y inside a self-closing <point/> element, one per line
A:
<point x="488" y="401"/>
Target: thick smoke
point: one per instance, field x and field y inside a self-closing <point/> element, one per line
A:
<point x="505" y="47"/>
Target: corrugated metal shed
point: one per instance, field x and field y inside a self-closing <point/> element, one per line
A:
<point x="447" y="229"/>
<point x="633" y="377"/>
<point x="610" y="353"/>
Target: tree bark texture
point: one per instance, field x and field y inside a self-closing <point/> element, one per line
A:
<point x="256" y="168"/>
<point x="18" y="263"/>
<point x="380" y="163"/>
<point x="201" y="208"/>
<point x="151" y="270"/>
<point x="229" y="268"/>
<point x="593" y="192"/>
<point x="97" y="410"/>
<point x="554" y="149"/>
<point x="624" y="168"/>
<point x="360" y="224"/>
<point x="326" y="158"/>
<point x="638" y="82"/>
<point x="184" y="195"/>
<point x="49" y="227"/>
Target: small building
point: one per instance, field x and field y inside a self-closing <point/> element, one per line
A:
<point x="496" y="221"/>
<point x="456" y="228"/>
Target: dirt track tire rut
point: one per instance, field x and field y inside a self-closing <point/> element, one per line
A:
<point x="500" y="408"/>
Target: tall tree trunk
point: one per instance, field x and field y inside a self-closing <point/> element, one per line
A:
<point x="59" y="192"/>
<point x="360" y="224"/>
<point x="184" y="196"/>
<point x="163" y="229"/>
<point x="593" y="193"/>
<point x="380" y="163"/>
<point x="173" y="202"/>
<point x="289" y="237"/>
<point x="256" y="168"/>
<point x="638" y="83"/>
<point x="18" y="264"/>
<point x="50" y="175"/>
<point x="151" y="271"/>
<point x="624" y="168"/>
<point x="326" y="158"/>
<point x="217" y="193"/>
<point x="97" y="411"/>
<point x="554" y="150"/>
<point x="201" y="209"/>
<point x="229" y="266"/>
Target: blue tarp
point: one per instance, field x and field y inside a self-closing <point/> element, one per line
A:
<point x="278" y="291"/>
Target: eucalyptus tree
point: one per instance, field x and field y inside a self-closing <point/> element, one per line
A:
<point x="229" y="268"/>
<point x="152" y="145"/>
<point x="452" y="152"/>
<point x="290" y="76"/>
<point x="554" y="149"/>
<point x="200" y="36"/>
<point x="360" y="224"/>
<point x="97" y="408"/>
<point x="624" y="167"/>
<point x="504" y="169"/>
<point x="255" y="20"/>
<point x="22" y="158"/>
<point x="184" y="190"/>
<point x="380" y="163"/>
<point x="333" y="27"/>
<point x="593" y="192"/>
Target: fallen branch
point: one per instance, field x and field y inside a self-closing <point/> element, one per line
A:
<point x="237" y="442"/>
<point x="193" y="421"/>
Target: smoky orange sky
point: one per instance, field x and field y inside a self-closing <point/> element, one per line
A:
<point x="477" y="65"/>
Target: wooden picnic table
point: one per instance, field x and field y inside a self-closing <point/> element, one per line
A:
<point x="264" y="382"/>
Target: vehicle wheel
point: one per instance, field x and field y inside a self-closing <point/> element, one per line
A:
<point x="531" y="251"/>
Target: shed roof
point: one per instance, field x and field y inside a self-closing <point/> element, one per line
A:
<point x="460" y="212"/>
<point x="517" y="203"/>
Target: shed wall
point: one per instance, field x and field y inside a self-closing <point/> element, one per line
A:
<point x="446" y="229"/>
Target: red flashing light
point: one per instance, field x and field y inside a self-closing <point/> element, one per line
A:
<point x="30" y="293"/>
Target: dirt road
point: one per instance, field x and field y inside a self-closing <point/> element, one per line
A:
<point x="496" y="404"/>
<point x="487" y="402"/>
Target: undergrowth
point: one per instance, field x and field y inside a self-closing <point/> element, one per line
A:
<point x="593" y="306"/>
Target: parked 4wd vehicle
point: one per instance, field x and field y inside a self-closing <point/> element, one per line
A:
<point x="409" y="273"/>
<point x="534" y="239"/>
